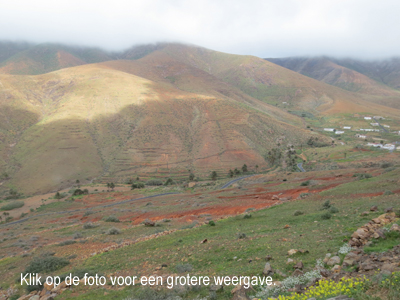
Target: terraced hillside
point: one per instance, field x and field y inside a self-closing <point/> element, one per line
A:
<point x="171" y="110"/>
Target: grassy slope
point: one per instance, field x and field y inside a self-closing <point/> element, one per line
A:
<point x="94" y="120"/>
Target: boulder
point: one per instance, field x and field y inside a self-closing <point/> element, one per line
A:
<point x="299" y="265"/>
<point x="148" y="222"/>
<point x="292" y="252"/>
<point x="268" y="271"/>
<point x="395" y="227"/>
<point x="297" y="273"/>
<point x="374" y="208"/>
<point x="334" y="260"/>
<point x="239" y="293"/>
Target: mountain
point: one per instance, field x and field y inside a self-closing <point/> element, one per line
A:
<point x="377" y="81"/>
<point x="170" y="110"/>
<point x="44" y="58"/>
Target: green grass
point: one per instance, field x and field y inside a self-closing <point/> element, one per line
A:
<point x="381" y="245"/>
<point x="12" y="205"/>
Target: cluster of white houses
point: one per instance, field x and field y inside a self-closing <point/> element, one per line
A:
<point x="386" y="146"/>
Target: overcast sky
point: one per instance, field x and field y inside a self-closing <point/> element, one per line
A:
<point x="265" y="28"/>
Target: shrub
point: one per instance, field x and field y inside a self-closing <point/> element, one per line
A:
<point x="298" y="213"/>
<point x="305" y="183"/>
<point x="387" y="192"/>
<point x="326" y="205"/>
<point x="362" y="176"/>
<point x="137" y="185"/>
<point x="304" y="195"/>
<point x="333" y="210"/>
<point x="326" y="216"/>
<point x="386" y="165"/>
<point x="247" y="216"/>
<point x="241" y="235"/>
<point x="88" y="213"/>
<point x="46" y="264"/>
<point x="89" y="225"/>
<point x="66" y="243"/>
<point x="169" y="181"/>
<point x="211" y="223"/>
<point x="154" y="182"/>
<point x="111" y="219"/>
<point x="77" y="235"/>
<point x="182" y="268"/>
<point x="12" y="205"/>
<point x="113" y="231"/>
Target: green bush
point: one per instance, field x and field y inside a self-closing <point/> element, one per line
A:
<point x="326" y="205"/>
<point x="46" y="264"/>
<point x="241" y="235"/>
<point x="333" y="210"/>
<point x="326" y="216"/>
<point x="211" y="223"/>
<point x="12" y="205"/>
<point x="182" y="268"/>
<point x="298" y="213"/>
<point x="137" y="185"/>
<point x="154" y="182"/>
<point x="388" y="192"/>
<point x="66" y="243"/>
<point x="111" y="219"/>
<point x="113" y="231"/>
<point x="247" y="216"/>
<point x="89" y="225"/>
<point x="305" y="183"/>
<point x="169" y="182"/>
<point x="362" y="176"/>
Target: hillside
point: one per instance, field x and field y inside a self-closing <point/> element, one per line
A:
<point x="44" y="58"/>
<point x="90" y="121"/>
<point x="172" y="110"/>
<point x="376" y="81"/>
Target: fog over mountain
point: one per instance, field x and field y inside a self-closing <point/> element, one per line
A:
<point x="360" y="29"/>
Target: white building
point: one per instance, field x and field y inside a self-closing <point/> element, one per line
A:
<point x="379" y="118"/>
<point x="339" y="132"/>
<point x="346" y="127"/>
<point x="361" y="136"/>
<point x="389" y="147"/>
<point x="367" y="118"/>
<point x="375" y="145"/>
<point x="375" y="124"/>
<point x="377" y="130"/>
<point x="329" y="129"/>
<point x="387" y="126"/>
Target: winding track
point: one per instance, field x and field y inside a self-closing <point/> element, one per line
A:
<point x="300" y="166"/>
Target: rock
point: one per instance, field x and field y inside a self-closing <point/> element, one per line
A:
<point x="203" y="241"/>
<point x="327" y="257"/>
<point x="374" y="208"/>
<point x="290" y="261"/>
<point x="268" y="258"/>
<point x="325" y="273"/>
<point x="275" y="197"/>
<point x="388" y="268"/>
<point x="191" y="184"/>
<point x="389" y="210"/>
<point x="378" y="234"/>
<point x="239" y="293"/>
<point x="148" y="222"/>
<point x="299" y="265"/>
<point x="280" y="273"/>
<point x="286" y="226"/>
<point x="395" y="227"/>
<point x="216" y="287"/>
<point x="336" y="268"/>
<point x="360" y="233"/>
<point x="292" y="252"/>
<point x="297" y="273"/>
<point x="268" y="271"/>
<point x="364" y="213"/>
<point x="335" y="260"/>
<point x="348" y="262"/>
<point x="35" y="297"/>
<point x="376" y="221"/>
<point x="285" y="198"/>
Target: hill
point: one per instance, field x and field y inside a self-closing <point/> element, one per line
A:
<point x="173" y="110"/>
<point x="376" y="81"/>
<point x="44" y="58"/>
